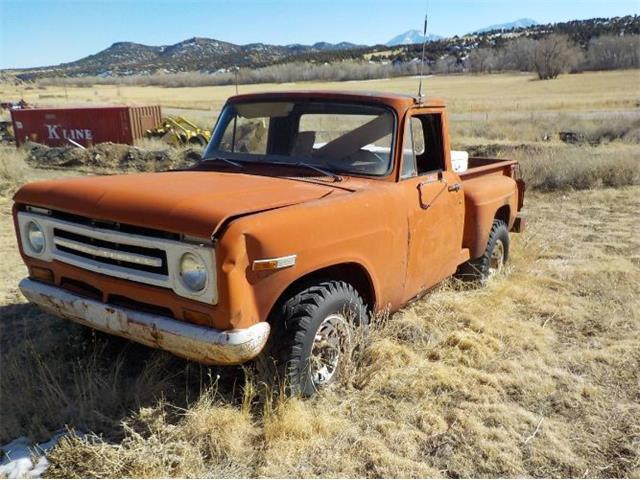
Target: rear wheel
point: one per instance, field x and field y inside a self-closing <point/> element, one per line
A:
<point x="310" y="336"/>
<point x="493" y="259"/>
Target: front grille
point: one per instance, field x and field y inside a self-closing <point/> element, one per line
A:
<point x="122" y="251"/>
<point x="151" y="260"/>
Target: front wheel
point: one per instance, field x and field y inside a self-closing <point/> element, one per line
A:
<point x="310" y="335"/>
<point x="492" y="260"/>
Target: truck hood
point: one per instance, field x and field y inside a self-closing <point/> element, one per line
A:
<point x="188" y="202"/>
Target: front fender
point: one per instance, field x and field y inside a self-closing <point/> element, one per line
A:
<point x="322" y="233"/>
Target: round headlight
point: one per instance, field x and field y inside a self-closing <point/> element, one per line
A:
<point x="193" y="272"/>
<point x="35" y="237"/>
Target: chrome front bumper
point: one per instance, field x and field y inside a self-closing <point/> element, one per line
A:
<point x="194" y="342"/>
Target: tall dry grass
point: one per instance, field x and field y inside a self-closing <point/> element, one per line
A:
<point x="13" y="170"/>
<point x="534" y="375"/>
<point x="607" y="152"/>
<point x="556" y="167"/>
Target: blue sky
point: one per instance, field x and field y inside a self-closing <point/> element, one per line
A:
<point x="47" y="32"/>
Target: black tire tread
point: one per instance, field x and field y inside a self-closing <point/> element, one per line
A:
<point x="476" y="269"/>
<point x="281" y="360"/>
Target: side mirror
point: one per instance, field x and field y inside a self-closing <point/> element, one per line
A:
<point x="423" y="191"/>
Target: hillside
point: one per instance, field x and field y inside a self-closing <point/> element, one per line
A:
<point x="208" y="55"/>
<point x="579" y="31"/>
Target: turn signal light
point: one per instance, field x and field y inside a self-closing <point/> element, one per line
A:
<point x="41" y="274"/>
<point x="274" y="263"/>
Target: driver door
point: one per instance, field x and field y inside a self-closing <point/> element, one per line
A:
<point x="434" y="203"/>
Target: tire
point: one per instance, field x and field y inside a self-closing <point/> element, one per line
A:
<point x="312" y="324"/>
<point x="492" y="260"/>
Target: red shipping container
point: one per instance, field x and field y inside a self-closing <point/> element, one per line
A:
<point x="87" y="125"/>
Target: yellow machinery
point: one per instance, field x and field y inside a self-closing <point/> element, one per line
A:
<point x="179" y="131"/>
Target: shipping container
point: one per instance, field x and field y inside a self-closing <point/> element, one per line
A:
<point x="86" y="125"/>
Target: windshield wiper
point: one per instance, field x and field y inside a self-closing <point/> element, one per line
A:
<point x="230" y="162"/>
<point x="326" y="173"/>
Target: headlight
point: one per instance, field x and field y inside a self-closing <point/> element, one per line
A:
<point x="35" y="237"/>
<point x="193" y="272"/>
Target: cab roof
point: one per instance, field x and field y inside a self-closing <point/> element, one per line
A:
<point x="398" y="101"/>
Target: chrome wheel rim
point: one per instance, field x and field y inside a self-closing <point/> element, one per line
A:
<point x="327" y="348"/>
<point x="496" y="261"/>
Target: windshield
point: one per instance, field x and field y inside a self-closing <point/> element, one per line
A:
<point x="336" y="137"/>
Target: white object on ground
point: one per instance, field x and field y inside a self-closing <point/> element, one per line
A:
<point x="22" y="460"/>
<point x="459" y="160"/>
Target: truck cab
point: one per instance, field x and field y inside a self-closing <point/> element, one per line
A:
<point x="309" y="213"/>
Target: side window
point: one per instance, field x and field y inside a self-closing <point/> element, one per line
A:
<point x="422" y="146"/>
<point x="431" y="156"/>
<point x="408" y="154"/>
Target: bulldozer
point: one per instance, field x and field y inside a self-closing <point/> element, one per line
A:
<point x="179" y="131"/>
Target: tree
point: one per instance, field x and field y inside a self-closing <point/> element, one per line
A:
<point x="553" y="55"/>
<point x="518" y="55"/>
<point x="611" y="52"/>
<point x="482" y="60"/>
<point x="447" y="64"/>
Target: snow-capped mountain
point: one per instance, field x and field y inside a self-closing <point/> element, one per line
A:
<point x="410" y="37"/>
<point x="520" y="23"/>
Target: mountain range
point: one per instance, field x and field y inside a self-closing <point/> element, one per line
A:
<point x="206" y="54"/>
<point x="410" y="37"/>
<point x="209" y="55"/>
<point x="520" y="23"/>
<point x="415" y="36"/>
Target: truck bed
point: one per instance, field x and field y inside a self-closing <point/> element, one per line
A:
<point x="484" y="166"/>
<point x="490" y="180"/>
<point x="480" y="166"/>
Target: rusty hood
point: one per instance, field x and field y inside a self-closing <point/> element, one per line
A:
<point x="190" y="202"/>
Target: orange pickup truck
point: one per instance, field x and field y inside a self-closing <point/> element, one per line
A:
<point x="308" y="213"/>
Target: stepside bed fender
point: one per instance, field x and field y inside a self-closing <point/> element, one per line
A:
<point x="486" y="198"/>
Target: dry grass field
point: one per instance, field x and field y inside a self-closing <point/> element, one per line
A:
<point x="535" y="375"/>
<point x="511" y="94"/>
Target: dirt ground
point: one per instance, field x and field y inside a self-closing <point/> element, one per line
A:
<point x="111" y="158"/>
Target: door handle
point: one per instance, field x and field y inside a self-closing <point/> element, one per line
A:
<point x="455" y="187"/>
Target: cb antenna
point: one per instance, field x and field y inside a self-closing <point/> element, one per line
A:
<point x="424" y="44"/>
